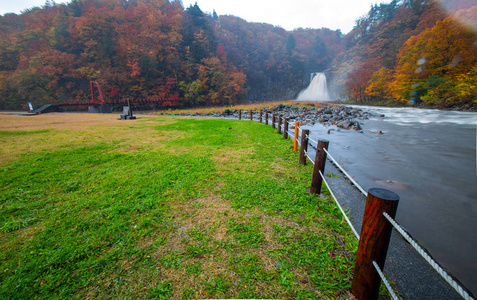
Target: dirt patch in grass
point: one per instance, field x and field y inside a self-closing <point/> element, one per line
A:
<point x="279" y="168"/>
<point x="19" y="237"/>
<point x="196" y="223"/>
<point x="207" y="219"/>
<point x="53" y="120"/>
<point x="235" y="157"/>
<point x="205" y="214"/>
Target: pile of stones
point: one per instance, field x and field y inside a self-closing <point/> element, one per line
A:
<point x="342" y="116"/>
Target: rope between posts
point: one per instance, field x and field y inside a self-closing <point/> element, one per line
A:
<point x="310" y="139"/>
<point x="306" y="153"/>
<point x="386" y="283"/>
<point x="429" y="259"/>
<point x="290" y="134"/>
<point x="339" y="206"/>
<point x="346" y="173"/>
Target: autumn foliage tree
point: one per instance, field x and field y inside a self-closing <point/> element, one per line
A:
<point x="433" y="66"/>
<point x="379" y="85"/>
<point x="409" y="50"/>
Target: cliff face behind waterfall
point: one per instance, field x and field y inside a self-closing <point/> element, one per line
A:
<point x="140" y="49"/>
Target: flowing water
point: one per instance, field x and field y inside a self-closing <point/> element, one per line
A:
<point x="428" y="157"/>
<point x="317" y="90"/>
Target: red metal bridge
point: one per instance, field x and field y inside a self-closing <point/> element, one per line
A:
<point x="170" y="101"/>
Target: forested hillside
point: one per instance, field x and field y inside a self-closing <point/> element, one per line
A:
<point x="400" y="51"/>
<point x="142" y="48"/>
<point x="411" y="51"/>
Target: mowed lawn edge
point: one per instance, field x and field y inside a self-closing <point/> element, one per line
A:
<point x="164" y="208"/>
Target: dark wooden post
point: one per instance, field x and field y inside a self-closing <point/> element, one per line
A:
<point x="320" y="160"/>
<point x="279" y="124"/>
<point x="240" y="114"/>
<point x="273" y="120"/>
<point x="251" y="115"/>
<point x="373" y="242"/>
<point x="304" y="146"/>
<point x="285" y="128"/>
<point x="266" y="118"/>
<point x="260" y="116"/>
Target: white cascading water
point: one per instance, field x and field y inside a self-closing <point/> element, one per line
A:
<point x="316" y="91"/>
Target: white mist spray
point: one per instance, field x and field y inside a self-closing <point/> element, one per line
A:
<point x="317" y="90"/>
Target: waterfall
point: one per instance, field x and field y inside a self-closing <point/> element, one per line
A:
<point x="317" y="90"/>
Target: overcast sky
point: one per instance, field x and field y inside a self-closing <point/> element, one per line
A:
<point x="289" y="14"/>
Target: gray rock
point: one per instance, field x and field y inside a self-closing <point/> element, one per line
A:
<point x="345" y="124"/>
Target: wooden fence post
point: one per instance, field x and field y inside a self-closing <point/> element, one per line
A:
<point x="273" y="120"/>
<point x="373" y="243"/>
<point x="240" y="114"/>
<point x="266" y="118"/>
<point x="320" y="160"/>
<point x="295" y="140"/>
<point x="260" y="116"/>
<point x="279" y="124"/>
<point x="285" y="128"/>
<point x="304" y="146"/>
<point x="251" y="115"/>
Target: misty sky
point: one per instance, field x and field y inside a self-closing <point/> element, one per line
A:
<point x="289" y="14"/>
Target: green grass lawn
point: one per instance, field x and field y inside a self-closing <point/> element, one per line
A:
<point x="165" y="208"/>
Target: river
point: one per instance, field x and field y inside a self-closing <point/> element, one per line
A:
<point x="428" y="157"/>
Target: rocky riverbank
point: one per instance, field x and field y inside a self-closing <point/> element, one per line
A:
<point x="342" y="116"/>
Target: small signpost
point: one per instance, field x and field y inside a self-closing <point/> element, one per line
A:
<point x="127" y="112"/>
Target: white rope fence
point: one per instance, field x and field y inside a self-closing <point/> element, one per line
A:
<point x="456" y="286"/>
<point x="383" y="278"/>
<point x="310" y="139"/>
<point x="381" y="274"/>
<point x="290" y="134"/>
<point x="306" y="153"/>
<point x="429" y="259"/>
<point x="339" y="206"/>
<point x="346" y="173"/>
<point x="386" y="283"/>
